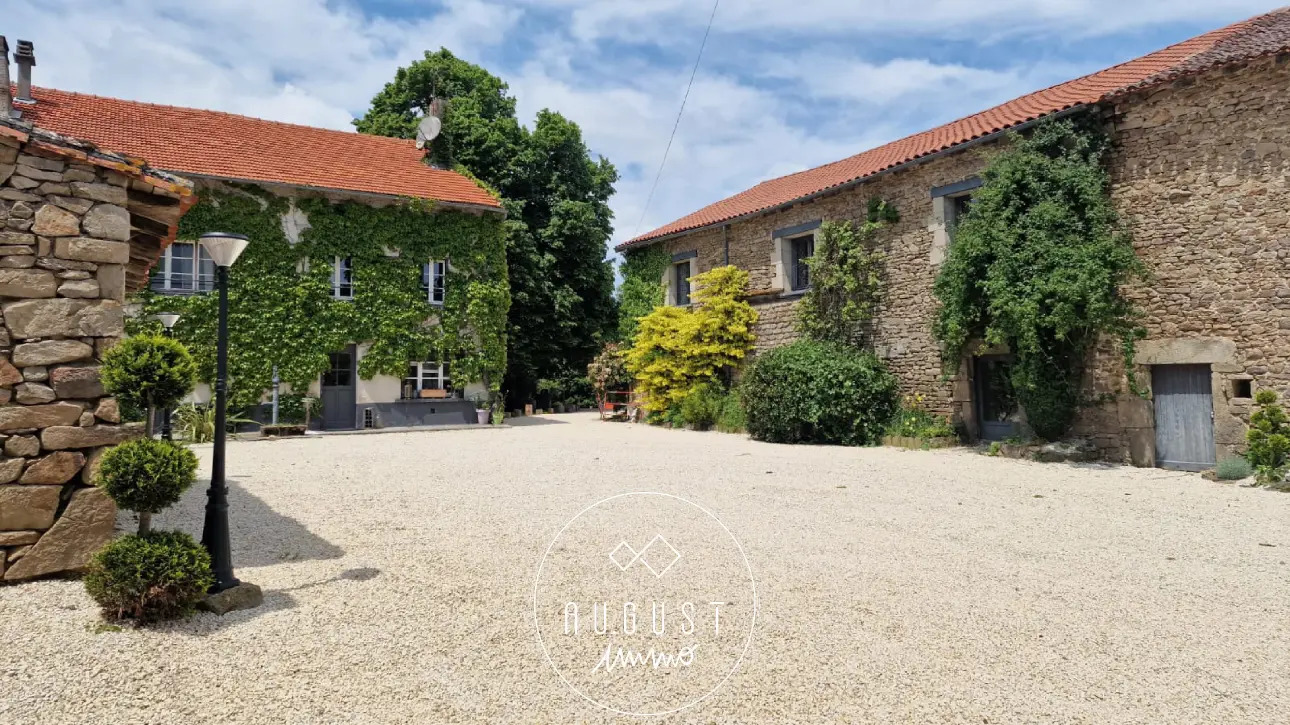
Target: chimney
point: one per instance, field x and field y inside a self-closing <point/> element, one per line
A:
<point x="25" y="57"/>
<point x="6" y="101"/>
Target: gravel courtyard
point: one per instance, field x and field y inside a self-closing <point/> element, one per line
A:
<point x="895" y="586"/>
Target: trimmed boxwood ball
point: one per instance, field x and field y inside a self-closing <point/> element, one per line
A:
<point x="150" y="577"/>
<point x="815" y="392"/>
<point x="148" y="371"/>
<point x="147" y="475"/>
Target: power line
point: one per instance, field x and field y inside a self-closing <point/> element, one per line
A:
<point x="677" y="125"/>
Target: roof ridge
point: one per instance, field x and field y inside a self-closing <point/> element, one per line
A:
<point x="1029" y="106"/>
<point x="150" y="104"/>
<point x="1224" y="31"/>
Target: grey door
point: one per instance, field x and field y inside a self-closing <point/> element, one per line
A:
<point x="1184" y="400"/>
<point x="339" y="391"/>
<point x="996" y="403"/>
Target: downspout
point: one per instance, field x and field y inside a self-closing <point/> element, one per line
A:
<point x="6" y="101"/>
<point x="725" y="239"/>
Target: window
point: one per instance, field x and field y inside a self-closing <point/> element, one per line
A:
<point x="1242" y="388"/>
<point x="185" y="268"/>
<point x="427" y="376"/>
<point x="957" y="209"/>
<point x="342" y="278"/>
<point x="681" y="283"/>
<point x="432" y="281"/>
<point x="799" y="272"/>
<point x="340" y="371"/>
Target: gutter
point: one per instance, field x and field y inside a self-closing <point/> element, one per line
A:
<point x="349" y="192"/>
<point x="866" y="179"/>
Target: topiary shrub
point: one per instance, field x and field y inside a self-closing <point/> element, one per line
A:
<point x="1233" y="469"/>
<point x="1268" y="439"/>
<point x="150" y="577"/>
<point x="146" y="476"/>
<point x="814" y="392"/>
<point x="148" y="372"/>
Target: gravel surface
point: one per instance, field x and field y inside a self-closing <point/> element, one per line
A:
<point x="895" y="586"/>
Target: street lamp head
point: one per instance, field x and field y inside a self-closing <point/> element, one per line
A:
<point x="224" y="247"/>
<point x="167" y="319"/>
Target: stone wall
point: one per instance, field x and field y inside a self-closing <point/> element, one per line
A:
<point x="914" y="247"/>
<point x="1201" y="178"/>
<point x="64" y="251"/>
<point x="1200" y="175"/>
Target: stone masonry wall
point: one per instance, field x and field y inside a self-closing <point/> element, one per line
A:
<point x="914" y="247"/>
<point x="64" y="247"/>
<point x="1200" y="176"/>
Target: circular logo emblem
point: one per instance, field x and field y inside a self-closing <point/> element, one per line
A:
<point x="645" y="604"/>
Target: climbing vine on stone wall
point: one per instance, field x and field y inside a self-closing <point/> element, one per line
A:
<point x="1038" y="264"/>
<point x="282" y="312"/>
<point x="642" y="288"/>
<point x="846" y="278"/>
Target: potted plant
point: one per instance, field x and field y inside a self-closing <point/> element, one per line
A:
<point x="482" y="413"/>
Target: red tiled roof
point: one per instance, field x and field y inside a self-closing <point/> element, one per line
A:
<point x="226" y="145"/>
<point x="1264" y="35"/>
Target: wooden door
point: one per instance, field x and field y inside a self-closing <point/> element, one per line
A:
<point x="340" y="391"/>
<point x="1184" y="400"/>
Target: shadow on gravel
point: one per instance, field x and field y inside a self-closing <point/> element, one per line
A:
<point x="531" y="420"/>
<point x="275" y="600"/>
<point x="261" y="536"/>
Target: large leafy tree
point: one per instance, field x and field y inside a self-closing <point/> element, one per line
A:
<point x="557" y="199"/>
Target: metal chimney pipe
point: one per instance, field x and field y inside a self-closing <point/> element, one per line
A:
<point x="25" y="57"/>
<point x="6" y="100"/>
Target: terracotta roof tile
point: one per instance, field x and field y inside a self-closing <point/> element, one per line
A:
<point x="1264" y="35"/>
<point x="226" y="145"/>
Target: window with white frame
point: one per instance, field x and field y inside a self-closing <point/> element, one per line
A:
<point x="428" y="380"/>
<point x="800" y="249"/>
<point x="433" y="275"/>
<point x="184" y="268"/>
<point x="342" y="278"/>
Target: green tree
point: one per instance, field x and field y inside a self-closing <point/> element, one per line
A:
<point x="556" y="195"/>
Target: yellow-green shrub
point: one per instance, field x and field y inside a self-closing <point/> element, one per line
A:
<point x="677" y="348"/>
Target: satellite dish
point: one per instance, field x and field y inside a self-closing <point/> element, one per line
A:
<point x="427" y="130"/>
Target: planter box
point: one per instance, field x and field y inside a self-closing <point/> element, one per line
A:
<point x="919" y="443"/>
<point x="282" y="430"/>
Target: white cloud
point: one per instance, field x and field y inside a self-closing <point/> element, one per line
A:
<point x="785" y="85"/>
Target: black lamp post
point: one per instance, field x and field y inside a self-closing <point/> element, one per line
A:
<point x="223" y="249"/>
<point x="167" y="320"/>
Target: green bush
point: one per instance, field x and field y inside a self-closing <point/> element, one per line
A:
<point x="291" y="408"/>
<point x="731" y="419"/>
<point x="1233" y="469"/>
<point x="813" y="392"/>
<point x="702" y="406"/>
<point x="915" y="421"/>
<point x="1268" y="439"/>
<point x="147" y="475"/>
<point x="148" y="371"/>
<point x="149" y="577"/>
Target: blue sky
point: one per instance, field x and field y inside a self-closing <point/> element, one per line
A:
<point x="785" y="84"/>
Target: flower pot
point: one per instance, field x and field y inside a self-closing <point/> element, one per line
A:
<point x="482" y="415"/>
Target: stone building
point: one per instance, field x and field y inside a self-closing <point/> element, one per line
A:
<point x="1200" y="177"/>
<point x="79" y="229"/>
<point x="224" y="155"/>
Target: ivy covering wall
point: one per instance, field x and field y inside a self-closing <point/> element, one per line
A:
<point x="281" y="312"/>
<point x="642" y="288"/>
